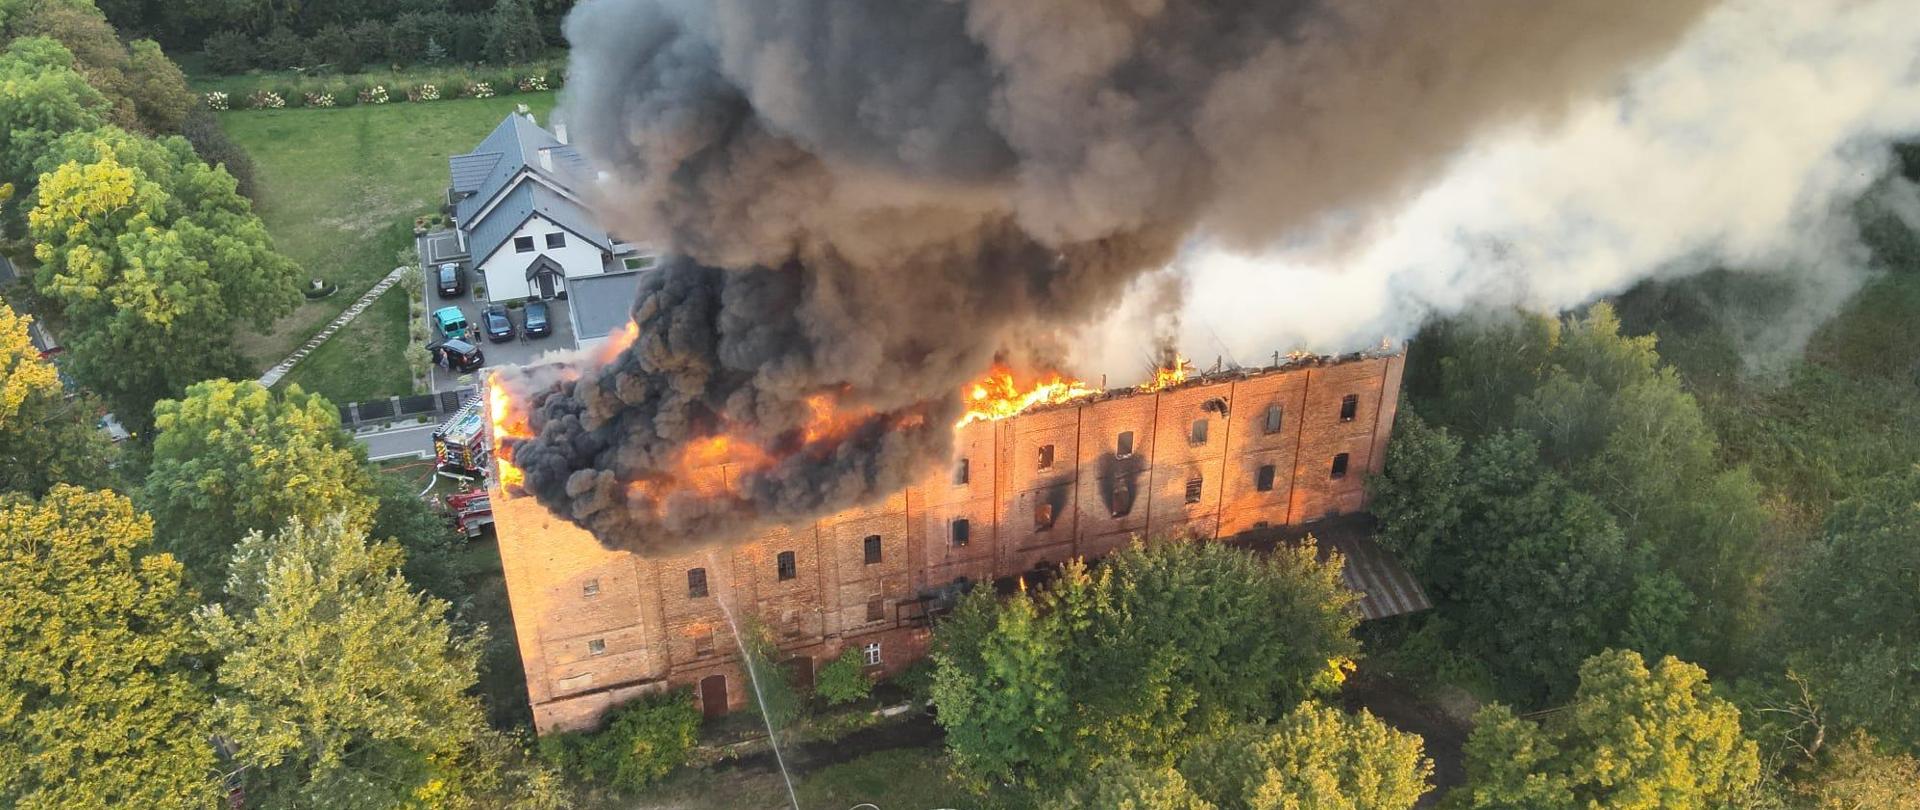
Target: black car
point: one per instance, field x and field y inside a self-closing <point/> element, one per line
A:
<point x="534" y="319"/>
<point x="453" y="280"/>
<point x="499" y="326"/>
<point x="457" y="354"/>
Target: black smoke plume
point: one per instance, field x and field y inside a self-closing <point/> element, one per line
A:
<point x="869" y="200"/>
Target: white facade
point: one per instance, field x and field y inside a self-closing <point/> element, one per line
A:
<point x="505" y="272"/>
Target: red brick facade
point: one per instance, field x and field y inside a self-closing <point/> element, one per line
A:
<point x="1210" y="458"/>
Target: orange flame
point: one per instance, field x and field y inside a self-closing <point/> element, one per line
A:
<point x="998" y="395"/>
<point x="506" y="424"/>
<point x="1175" y="372"/>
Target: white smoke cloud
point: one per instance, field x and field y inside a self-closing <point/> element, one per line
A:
<point x="1744" y="147"/>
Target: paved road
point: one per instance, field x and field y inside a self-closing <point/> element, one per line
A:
<point x="411" y="441"/>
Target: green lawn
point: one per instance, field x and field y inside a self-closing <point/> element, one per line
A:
<point x="339" y="189"/>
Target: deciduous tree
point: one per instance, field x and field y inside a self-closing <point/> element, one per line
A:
<point x="1851" y="612"/>
<point x="41" y="98"/>
<point x="232" y="458"/>
<point x="99" y="703"/>
<point x="45" y="438"/>
<point x="513" y="33"/>
<point x="1315" y="756"/>
<point x="340" y="685"/>
<point x="1135" y="660"/>
<point x="155" y="260"/>
<point x="1126" y="786"/>
<point x="1633" y="738"/>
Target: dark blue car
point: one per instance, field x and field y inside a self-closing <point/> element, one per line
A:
<point x="534" y="319"/>
<point x="499" y="326"/>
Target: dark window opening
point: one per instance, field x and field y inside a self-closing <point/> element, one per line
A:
<point x="1198" y="434"/>
<point x="1124" y="446"/>
<point x="556" y="240"/>
<point x="1340" y="466"/>
<point x="876" y="609"/>
<point x="788" y="569"/>
<point x="1046" y="456"/>
<point x="523" y="244"/>
<point x="1122" y="497"/>
<point x="1263" y="480"/>
<point x="597" y="646"/>
<point x="1273" y="419"/>
<point x="960" y="472"/>
<point x="872" y="549"/>
<point x="1042" y="516"/>
<point x="696" y="583"/>
<point x="959" y="532"/>
<point x="1193" y="490"/>
<point x="703" y="643"/>
<point x="1349" y="407"/>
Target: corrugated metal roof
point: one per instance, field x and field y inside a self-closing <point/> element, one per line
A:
<point x="1384" y="585"/>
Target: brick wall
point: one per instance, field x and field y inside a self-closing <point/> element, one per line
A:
<point x="598" y="627"/>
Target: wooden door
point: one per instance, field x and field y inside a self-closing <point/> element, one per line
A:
<point x="713" y="695"/>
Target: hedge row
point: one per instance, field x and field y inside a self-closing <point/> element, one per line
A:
<point x="345" y="93"/>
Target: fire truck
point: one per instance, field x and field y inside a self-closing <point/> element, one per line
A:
<point x="463" y="450"/>
<point x="461" y="446"/>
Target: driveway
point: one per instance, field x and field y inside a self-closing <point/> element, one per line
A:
<point x="519" y="351"/>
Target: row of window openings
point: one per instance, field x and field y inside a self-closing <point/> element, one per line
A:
<point x="524" y="244"/>
<point x="960" y="530"/>
<point x="1271" y="423"/>
<point x="703" y="646"/>
<point x="786" y="566"/>
<point x="703" y="642"/>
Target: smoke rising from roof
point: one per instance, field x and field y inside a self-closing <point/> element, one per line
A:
<point x="1745" y="147"/>
<point x="868" y="201"/>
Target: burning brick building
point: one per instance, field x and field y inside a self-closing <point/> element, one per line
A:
<point x="1230" y="454"/>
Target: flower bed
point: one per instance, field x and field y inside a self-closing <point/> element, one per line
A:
<point x="326" y="92"/>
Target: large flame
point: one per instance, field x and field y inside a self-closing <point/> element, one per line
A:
<point x="1000" y="395"/>
<point x="507" y="423"/>
<point x="1173" y="371"/>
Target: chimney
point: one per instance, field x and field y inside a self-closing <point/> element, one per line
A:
<point x="546" y="159"/>
<point x="560" y="132"/>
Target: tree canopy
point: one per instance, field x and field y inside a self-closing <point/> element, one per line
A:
<point x="1138" y="658"/>
<point x="1633" y="738"/>
<point x="340" y="685"/>
<point x="1851" y="612"/>
<point x="1314" y="756"/>
<point x="232" y="458"/>
<point x="100" y="705"/>
<point x="45" y="438"/>
<point x="155" y="259"/>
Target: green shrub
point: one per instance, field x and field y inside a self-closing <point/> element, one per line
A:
<point x="230" y="52"/>
<point x="281" y="49"/>
<point x="644" y="741"/>
<point x="844" y="679"/>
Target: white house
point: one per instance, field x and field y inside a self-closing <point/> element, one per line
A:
<point x="519" y="218"/>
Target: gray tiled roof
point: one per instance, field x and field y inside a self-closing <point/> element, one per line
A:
<point x="523" y="202"/>
<point x="512" y="147"/>
<point x="470" y="171"/>
<point x="601" y="304"/>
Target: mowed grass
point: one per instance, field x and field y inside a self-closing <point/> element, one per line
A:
<point x="339" y="189"/>
<point x="362" y="361"/>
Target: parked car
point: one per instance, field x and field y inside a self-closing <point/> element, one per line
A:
<point x="453" y="280"/>
<point x="450" y="322"/>
<point x="499" y="324"/>
<point x="535" y="318"/>
<point x="457" y="354"/>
